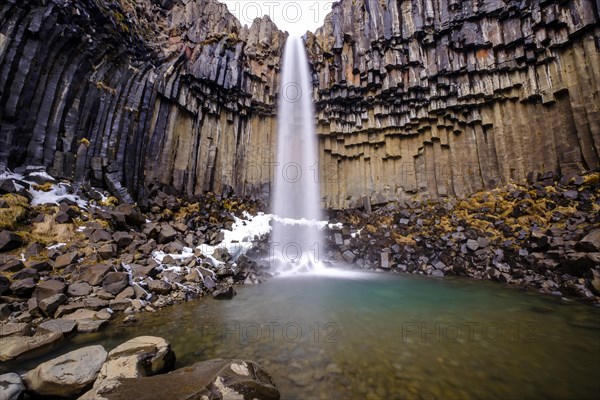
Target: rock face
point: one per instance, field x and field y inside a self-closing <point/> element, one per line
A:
<point x="123" y="94"/>
<point x="441" y="98"/>
<point x="422" y="97"/>
<point x="67" y="375"/>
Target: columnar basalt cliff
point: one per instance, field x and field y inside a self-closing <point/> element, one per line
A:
<point x="125" y="94"/>
<point x="424" y="97"/>
<point x="441" y="98"/>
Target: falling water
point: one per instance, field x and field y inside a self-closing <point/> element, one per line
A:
<point x="297" y="238"/>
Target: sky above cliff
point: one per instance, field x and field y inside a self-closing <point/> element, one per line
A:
<point x="296" y="17"/>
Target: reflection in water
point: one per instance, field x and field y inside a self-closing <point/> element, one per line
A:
<point x="389" y="336"/>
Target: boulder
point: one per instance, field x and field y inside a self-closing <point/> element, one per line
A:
<point x="88" y="325"/>
<point x="4" y="285"/>
<point x="167" y="234"/>
<point x="132" y="214"/>
<point x="94" y="274"/>
<point x="26" y="273"/>
<point x="62" y="325"/>
<point x="14" y="346"/>
<point x="23" y="288"/>
<point x="13" y="265"/>
<point x="115" y="282"/>
<point x="12" y="386"/>
<point x="100" y="235"/>
<point x="159" y="287"/>
<point x="139" y="357"/>
<point x="224" y="294"/>
<point x="107" y="251"/>
<point x="67" y="375"/>
<point x="5" y="310"/>
<point x="50" y="304"/>
<point x="213" y="379"/>
<point x="49" y="288"/>
<point x="9" y="241"/>
<point x="15" y="329"/>
<point x="79" y="289"/>
<point x="66" y="259"/>
<point x="123" y="239"/>
<point x="590" y="242"/>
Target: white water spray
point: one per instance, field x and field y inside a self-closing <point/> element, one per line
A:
<point x="297" y="239"/>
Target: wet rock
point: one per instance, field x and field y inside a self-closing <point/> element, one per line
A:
<point x="115" y="282"/>
<point x="67" y="375"/>
<point x="224" y="294"/>
<point x="12" y="386"/>
<point x="226" y="379"/>
<point x="9" y="241"/>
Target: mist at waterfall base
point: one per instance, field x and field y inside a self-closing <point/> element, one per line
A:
<point x="297" y="239"/>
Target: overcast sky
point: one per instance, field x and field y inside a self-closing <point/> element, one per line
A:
<point x="296" y="17"/>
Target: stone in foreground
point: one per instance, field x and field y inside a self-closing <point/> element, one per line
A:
<point x="214" y="379"/>
<point x="11" y="386"/>
<point x="67" y="375"/>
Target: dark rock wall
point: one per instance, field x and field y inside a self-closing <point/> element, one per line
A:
<point x="427" y="97"/>
<point x="124" y="93"/>
<point x="440" y="98"/>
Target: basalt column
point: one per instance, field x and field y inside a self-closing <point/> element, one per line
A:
<point x="442" y="98"/>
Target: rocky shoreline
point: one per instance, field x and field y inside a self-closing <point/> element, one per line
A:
<point x="543" y="235"/>
<point x="139" y="368"/>
<point x="74" y="265"/>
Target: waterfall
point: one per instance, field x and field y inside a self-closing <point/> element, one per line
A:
<point x="297" y="239"/>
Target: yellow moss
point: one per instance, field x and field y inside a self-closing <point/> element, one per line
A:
<point x="186" y="211"/>
<point x="46" y="187"/>
<point x="17" y="212"/>
<point x="85" y="142"/>
<point x="403" y="240"/>
<point x="110" y="201"/>
<point x="371" y="229"/>
<point x="591" y="179"/>
<point x="48" y="231"/>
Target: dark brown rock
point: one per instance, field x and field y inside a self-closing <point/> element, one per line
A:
<point x="115" y="282"/>
<point x="9" y="241"/>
